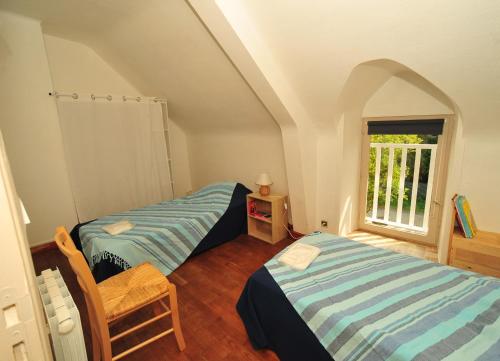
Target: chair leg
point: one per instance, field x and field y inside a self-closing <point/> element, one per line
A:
<point x="96" y="350"/>
<point x="157" y="309"/>
<point x="175" y="317"/>
<point x="106" y="352"/>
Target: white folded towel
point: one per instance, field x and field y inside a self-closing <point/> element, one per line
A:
<point x="299" y="256"/>
<point x="118" y="227"/>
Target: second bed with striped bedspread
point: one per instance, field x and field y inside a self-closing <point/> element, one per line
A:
<point x="368" y="303"/>
<point x="164" y="234"/>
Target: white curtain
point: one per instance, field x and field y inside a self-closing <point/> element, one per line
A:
<point x="116" y="155"/>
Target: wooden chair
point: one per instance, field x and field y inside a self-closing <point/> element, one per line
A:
<point x="119" y="296"/>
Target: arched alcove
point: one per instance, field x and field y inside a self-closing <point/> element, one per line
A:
<point x="381" y="88"/>
<point x="407" y="93"/>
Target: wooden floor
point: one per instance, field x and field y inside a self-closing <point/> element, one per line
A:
<point x="208" y="288"/>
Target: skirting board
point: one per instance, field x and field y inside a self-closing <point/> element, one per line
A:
<point x="43" y="247"/>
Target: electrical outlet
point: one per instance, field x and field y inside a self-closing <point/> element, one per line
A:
<point x="324" y="223"/>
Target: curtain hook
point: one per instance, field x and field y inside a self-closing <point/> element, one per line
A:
<point x="109" y="98"/>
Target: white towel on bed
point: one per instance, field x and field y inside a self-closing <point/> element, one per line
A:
<point x="118" y="227"/>
<point x="299" y="256"/>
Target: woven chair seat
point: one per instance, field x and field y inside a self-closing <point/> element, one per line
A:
<point x="131" y="289"/>
<point x="120" y="296"/>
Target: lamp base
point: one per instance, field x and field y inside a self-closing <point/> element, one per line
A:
<point x="264" y="190"/>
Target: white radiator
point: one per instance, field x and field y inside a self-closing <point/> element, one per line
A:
<point x="62" y="316"/>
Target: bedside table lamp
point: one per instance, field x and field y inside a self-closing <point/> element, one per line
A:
<point x="264" y="181"/>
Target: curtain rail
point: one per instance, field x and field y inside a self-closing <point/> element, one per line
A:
<point x="108" y="97"/>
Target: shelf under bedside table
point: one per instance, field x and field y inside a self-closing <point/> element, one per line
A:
<point x="272" y="229"/>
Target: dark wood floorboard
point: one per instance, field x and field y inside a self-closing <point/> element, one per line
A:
<point x="208" y="287"/>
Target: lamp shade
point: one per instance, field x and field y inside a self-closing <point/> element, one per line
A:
<point x="264" y="180"/>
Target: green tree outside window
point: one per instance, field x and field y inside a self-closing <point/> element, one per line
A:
<point x="410" y="161"/>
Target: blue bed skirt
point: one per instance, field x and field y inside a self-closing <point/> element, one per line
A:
<point x="272" y="322"/>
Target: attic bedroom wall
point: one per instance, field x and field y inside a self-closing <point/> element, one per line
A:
<point x="401" y="96"/>
<point x="475" y="151"/>
<point x="30" y="127"/>
<point x="32" y="65"/>
<point x="454" y="44"/>
<point x="77" y="68"/>
<point x="238" y="156"/>
<point x="163" y="49"/>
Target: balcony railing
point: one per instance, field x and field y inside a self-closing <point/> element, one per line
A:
<point x="387" y="218"/>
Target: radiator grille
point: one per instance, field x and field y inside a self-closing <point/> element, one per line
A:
<point x="62" y="316"/>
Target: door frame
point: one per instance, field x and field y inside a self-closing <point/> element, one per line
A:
<point x="18" y="287"/>
<point x="438" y="189"/>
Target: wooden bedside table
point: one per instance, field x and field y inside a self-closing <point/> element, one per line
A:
<point x="270" y="229"/>
<point x="480" y="254"/>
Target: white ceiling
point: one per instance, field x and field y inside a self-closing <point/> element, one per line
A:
<point x="455" y="44"/>
<point x="163" y="49"/>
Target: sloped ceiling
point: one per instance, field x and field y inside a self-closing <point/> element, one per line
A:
<point x="453" y="44"/>
<point x="163" y="49"/>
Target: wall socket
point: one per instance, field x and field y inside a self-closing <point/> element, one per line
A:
<point x="324" y="223"/>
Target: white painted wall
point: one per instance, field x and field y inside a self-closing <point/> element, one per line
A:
<point x="453" y="44"/>
<point x="298" y="58"/>
<point x="77" y="68"/>
<point x="404" y="93"/>
<point x="32" y="65"/>
<point x="383" y="94"/>
<point x="480" y="176"/>
<point x="30" y="126"/>
<point x="400" y="95"/>
<point x="241" y="157"/>
<point x="407" y="94"/>
<point x="181" y="169"/>
<point x="162" y="48"/>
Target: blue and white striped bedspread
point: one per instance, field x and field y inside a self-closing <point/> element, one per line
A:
<point x="367" y="303"/>
<point x="165" y="234"/>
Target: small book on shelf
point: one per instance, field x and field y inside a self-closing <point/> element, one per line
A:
<point x="252" y="207"/>
<point x="465" y="219"/>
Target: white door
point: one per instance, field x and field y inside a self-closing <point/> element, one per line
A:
<point x="23" y="334"/>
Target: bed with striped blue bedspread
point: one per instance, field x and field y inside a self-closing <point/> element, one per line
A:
<point x="165" y="234"/>
<point x="368" y="303"/>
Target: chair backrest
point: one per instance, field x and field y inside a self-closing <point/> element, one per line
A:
<point x="95" y="308"/>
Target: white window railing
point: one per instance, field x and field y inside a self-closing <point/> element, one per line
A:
<point x="398" y="221"/>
